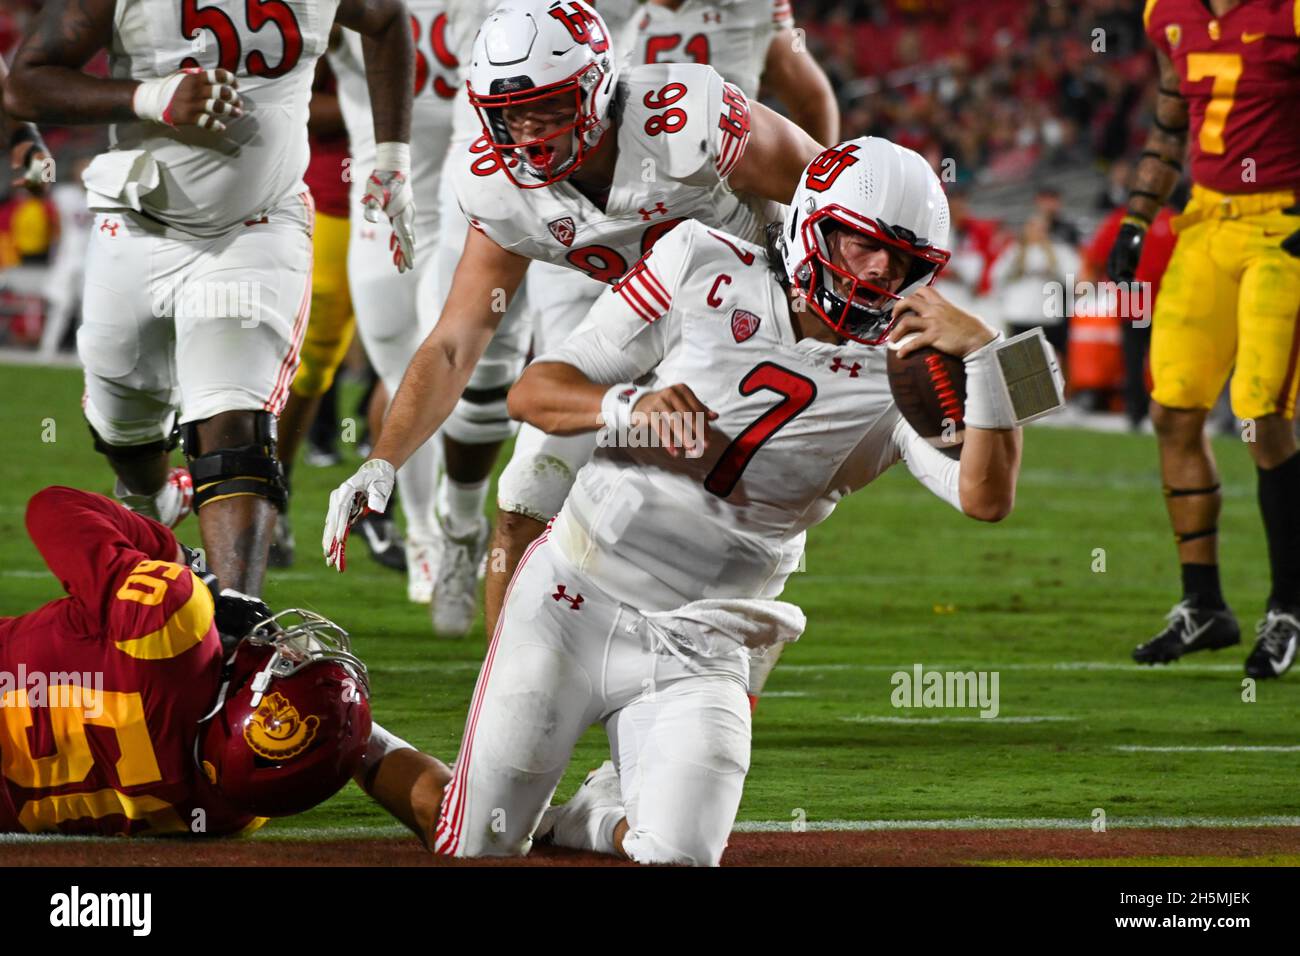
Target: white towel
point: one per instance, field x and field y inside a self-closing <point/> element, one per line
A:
<point x="120" y="178"/>
<point x="714" y="627"/>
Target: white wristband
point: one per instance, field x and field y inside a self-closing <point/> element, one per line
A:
<point x="152" y="98"/>
<point x="616" y="407"/>
<point x="394" y="156"/>
<point x="987" y="402"/>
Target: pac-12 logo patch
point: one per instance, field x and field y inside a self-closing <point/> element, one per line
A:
<point x="563" y="229"/>
<point x="743" y="324"/>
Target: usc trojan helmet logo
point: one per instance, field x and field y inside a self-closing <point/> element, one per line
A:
<point x="276" y="731"/>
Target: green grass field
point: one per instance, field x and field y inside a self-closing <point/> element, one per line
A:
<point x="895" y="578"/>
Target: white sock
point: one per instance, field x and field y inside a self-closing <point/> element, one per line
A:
<point x="460" y="507"/>
<point x="600" y="829"/>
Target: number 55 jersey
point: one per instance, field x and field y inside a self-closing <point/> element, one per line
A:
<point x="801" y="423"/>
<point x="101" y="692"/>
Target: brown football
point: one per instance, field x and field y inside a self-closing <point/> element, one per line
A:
<point x="929" y="388"/>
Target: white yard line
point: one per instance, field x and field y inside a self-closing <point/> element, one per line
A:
<point x="1219" y="749"/>
<point x="872" y="719"/>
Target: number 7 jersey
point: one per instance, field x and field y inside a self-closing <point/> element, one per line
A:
<point x="801" y="423"/>
<point x="681" y="131"/>
<point x="212" y="182"/>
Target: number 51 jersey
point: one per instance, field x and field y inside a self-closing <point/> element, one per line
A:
<point x="211" y="182"/>
<point x="801" y="423"/>
<point x="681" y="131"/>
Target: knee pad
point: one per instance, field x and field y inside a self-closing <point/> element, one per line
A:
<point x="246" y="470"/>
<point x="535" y="485"/>
<point x="480" y="417"/>
<point x="134" y="452"/>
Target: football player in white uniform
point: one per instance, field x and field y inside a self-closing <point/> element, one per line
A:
<point x="637" y="606"/>
<point x="580" y="167"/>
<point x="395" y="311"/>
<point x="745" y="41"/>
<point x="198" y="272"/>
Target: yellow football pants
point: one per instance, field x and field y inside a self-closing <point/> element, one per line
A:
<point x="330" y="327"/>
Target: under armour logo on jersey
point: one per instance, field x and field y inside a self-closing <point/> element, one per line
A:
<point x="368" y="234"/>
<point x="826" y="168"/>
<point x="109" y="226"/>
<point x="659" y="210"/>
<point x="743" y="324"/>
<point x="575" y="601"/>
<point x="256" y="222"/>
<point x="839" y="366"/>
<point x="563" y="230"/>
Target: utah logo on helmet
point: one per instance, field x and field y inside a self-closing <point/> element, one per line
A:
<point x="533" y="53"/>
<point x="877" y="189"/>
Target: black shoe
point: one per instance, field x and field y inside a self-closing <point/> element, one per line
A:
<point x="1190" y="629"/>
<point x="384" y="541"/>
<point x="281" y="552"/>
<point x="1275" y="647"/>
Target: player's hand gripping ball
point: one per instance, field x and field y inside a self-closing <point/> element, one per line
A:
<point x="368" y="490"/>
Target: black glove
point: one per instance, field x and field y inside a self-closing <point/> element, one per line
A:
<point x="1292" y="243"/>
<point x="1122" y="263"/>
<point x="236" y="615"/>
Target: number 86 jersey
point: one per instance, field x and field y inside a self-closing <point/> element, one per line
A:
<point x="211" y="182"/>
<point x="681" y="131"/>
<point x="801" y="423"/>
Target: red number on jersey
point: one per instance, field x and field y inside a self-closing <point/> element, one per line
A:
<point x="214" y="20"/>
<point x="257" y="14"/>
<point x="421" y="61"/>
<point x="442" y="53"/>
<point x="671" y="121"/>
<point x="826" y="168"/>
<point x="746" y="257"/>
<point x="580" y="24"/>
<point x="657" y="232"/>
<point x="697" y="47"/>
<point x="262" y="12"/>
<point x="600" y="262"/>
<point x="488" y="162"/>
<point x="796" y="394"/>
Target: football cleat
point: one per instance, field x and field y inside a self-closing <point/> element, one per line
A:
<point x="280" y="554"/>
<point x="383" y="540"/>
<point x="421" y="566"/>
<point x="1189" y="629"/>
<point x="455" y="587"/>
<point x="576" y="824"/>
<point x="1275" y="645"/>
<point x="169" y="505"/>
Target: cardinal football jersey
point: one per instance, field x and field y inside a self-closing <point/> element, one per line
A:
<point x="1240" y="75"/>
<point x="682" y="129"/>
<point x="801" y="423"/>
<point x="102" y="690"/>
<point x="436" y="80"/>
<point x="211" y="182"/>
<point x="732" y="36"/>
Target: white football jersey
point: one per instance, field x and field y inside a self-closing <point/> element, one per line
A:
<point x="732" y="36"/>
<point x="682" y="129"/>
<point x="211" y="182"/>
<point x="801" y="423"/>
<point x="437" y="77"/>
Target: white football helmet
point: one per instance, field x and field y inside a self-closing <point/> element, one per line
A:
<point x="884" y="191"/>
<point x="529" y="50"/>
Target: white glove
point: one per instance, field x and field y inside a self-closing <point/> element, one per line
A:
<point x="368" y="490"/>
<point x="388" y="190"/>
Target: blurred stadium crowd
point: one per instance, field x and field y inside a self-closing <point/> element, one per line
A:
<point x="1031" y="111"/>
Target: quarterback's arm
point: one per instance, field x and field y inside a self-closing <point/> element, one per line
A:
<point x="774" y="158"/>
<point x="485" y="280"/>
<point x="1161" y="164"/>
<point x="389" y="53"/>
<point x="794" y="78"/>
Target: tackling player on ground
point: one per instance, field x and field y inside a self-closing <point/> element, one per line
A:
<point x="198" y="272"/>
<point x="1229" y="301"/>
<point x="638" y="606"/>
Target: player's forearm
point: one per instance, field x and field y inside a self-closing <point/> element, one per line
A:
<point x="794" y="77"/>
<point x="1161" y="165"/>
<point x="775" y="158"/>
<point x="990" y="465"/>
<point x="557" y="398"/>
<point x="431" y="386"/>
<point x="67" y="97"/>
<point x="389" y="54"/>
